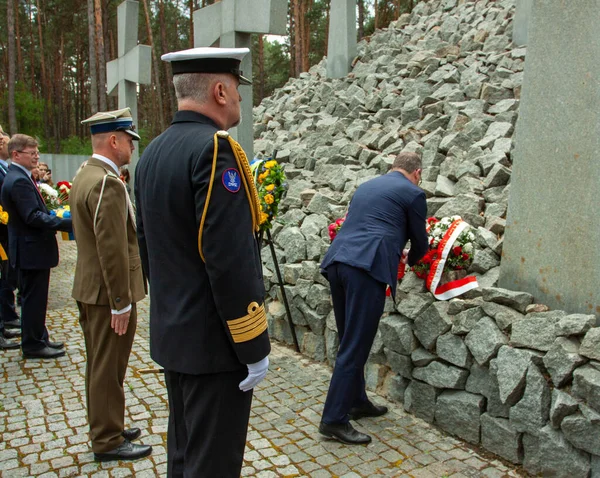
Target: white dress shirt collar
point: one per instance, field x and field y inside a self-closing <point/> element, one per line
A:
<point x="105" y="160"/>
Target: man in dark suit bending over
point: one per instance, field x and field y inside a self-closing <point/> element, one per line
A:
<point x="32" y="245"/>
<point x="384" y="213"/>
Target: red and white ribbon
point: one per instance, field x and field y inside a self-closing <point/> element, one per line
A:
<point x="456" y="287"/>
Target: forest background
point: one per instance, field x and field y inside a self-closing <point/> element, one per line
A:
<point x="53" y="57"/>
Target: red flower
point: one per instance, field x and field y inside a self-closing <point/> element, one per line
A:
<point x="432" y="220"/>
<point x="466" y="256"/>
<point x="457" y="250"/>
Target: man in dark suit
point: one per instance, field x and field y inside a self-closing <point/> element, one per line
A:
<point x="32" y="245"/>
<point x="9" y="320"/>
<point x="197" y="214"/>
<point x="384" y="213"/>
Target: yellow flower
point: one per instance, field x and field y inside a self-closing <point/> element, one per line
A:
<point x="261" y="177"/>
<point x="270" y="187"/>
<point x="263" y="217"/>
<point x="3" y="217"/>
<point x="269" y="199"/>
<point x="270" y="164"/>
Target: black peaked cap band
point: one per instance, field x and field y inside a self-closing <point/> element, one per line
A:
<point x="204" y="65"/>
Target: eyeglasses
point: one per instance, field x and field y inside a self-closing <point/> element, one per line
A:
<point x="33" y="153"/>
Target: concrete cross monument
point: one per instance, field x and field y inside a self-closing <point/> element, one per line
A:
<point x="230" y="24"/>
<point x="552" y="234"/>
<point x="341" y="43"/>
<point x="521" y="22"/>
<point x="132" y="67"/>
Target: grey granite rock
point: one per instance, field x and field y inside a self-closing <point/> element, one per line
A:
<point x="396" y="386"/>
<point x="558" y="458"/>
<point x="440" y="375"/>
<point x="536" y="331"/>
<point x="484" y="340"/>
<point x="400" y="364"/>
<point x="512" y="365"/>
<point x="459" y="413"/>
<point x="452" y="349"/>
<point x="432" y="323"/>
<point x="562" y="405"/>
<point x="483" y="261"/>
<point x="503" y="315"/>
<point x="420" y="399"/>
<point x="532" y="411"/>
<point x="397" y="334"/>
<point x="531" y="454"/>
<point x="517" y="300"/>
<point x="562" y="358"/>
<point x="422" y="357"/>
<point x="586" y="385"/>
<point x="293" y="243"/>
<point x="413" y="305"/>
<point x="575" y="324"/>
<point x="500" y="437"/>
<point x="590" y="346"/>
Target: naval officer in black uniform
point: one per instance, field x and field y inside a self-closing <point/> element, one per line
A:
<point x="198" y="215"/>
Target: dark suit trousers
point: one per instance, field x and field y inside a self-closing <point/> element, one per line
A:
<point x="34" y="285"/>
<point x="358" y="302"/>
<point x="208" y="422"/>
<point x="107" y="358"/>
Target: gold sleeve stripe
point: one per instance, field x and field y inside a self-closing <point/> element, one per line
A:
<point x="210" y="186"/>
<point x="249" y="326"/>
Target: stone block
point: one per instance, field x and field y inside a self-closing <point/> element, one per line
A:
<point x="397" y="334"/>
<point x="422" y="357"/>
<point x="590" y="346"/>
<point x="374" y="375"/>
<point x="313" y="346"/>
<point x="440" y="375"/>
<point x="582" y="433"/>
<point x="517" y="300"/>
<point x="400" y="364"/>
<point x="562" y="405"/>
<point x="499" y="437"/>
<point x="484" y="340"/>
<point x="483" y="261"/>
<point x="502" y="314"/>
<point x="432" y="323"/>
<point x="512" y="365"/>
<point x="420" y="399"/>
<point x="414" y="304"/>
<point x="558" y="458"/>
<point x="453" y="349"/>
<point x="396" y="386"/>
<point x="562" y="358"/>
<point x="531" y="454"/>
<point x="459" y="413"/>
<point x="532" y="411"/>
<point x="535" y="331"/>
<point x="575" y="324"/>
<point x="586" y="385"/>
<point x="291" y="273"/>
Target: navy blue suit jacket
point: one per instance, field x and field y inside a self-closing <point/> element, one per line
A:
<point x="3" y="227"/>
<point x="31" y="229"/>
<point x="384" y="213"/>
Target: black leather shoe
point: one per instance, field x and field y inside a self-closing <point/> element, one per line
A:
<point x="131" y="434"/>
<point x="6" y="345"/>
<point x="11" y="334"/>
<point x="345" y="433"/>
<point x="125" y="451"/>
<point x="13" y="324"/>
<point x="368" y="410"/>
<point x="56" y="345"/>
<point x="45" y="353"/>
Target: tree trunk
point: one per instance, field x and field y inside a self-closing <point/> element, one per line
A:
<point x="361" y="19"/>
<point x="191" y="7"/>
<point x="307" y="5"/>
<point x="12" y="111"/>
<point x="20" y="69"/>
<point x="298" y="33"/>
<point x="45" y="88"/>
<point x="291" y="9"/>
<point x="376" y="21"/>
<point x="157" y="93"/>
<point x="172" y="103"/>
<point x="93" y="97"/>
<point x="34" y="90"/>
<point x="101" y="56"/>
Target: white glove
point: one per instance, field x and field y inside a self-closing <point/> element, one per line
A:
<point x="404" y="258"/>
<point x="256" y="372"/>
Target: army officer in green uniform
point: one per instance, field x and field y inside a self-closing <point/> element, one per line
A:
<point x="198" y="215"/>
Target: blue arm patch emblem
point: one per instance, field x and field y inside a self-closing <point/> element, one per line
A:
<point x="232" y="180"/>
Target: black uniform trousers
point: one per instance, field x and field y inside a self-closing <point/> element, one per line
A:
<point x="208" y="423"/>
<point x="358" y="302"/>
<point x="34" y="285"/>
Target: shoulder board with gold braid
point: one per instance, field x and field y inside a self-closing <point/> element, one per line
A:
<point x="247" y="180"/>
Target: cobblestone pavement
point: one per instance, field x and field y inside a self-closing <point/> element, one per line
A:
<point x="43" y="428"/>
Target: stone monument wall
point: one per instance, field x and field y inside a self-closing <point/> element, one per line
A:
<point x="444" y="81"/>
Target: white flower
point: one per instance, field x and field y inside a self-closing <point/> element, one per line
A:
<point x="455" y="218"/>
<point x="471" y="236"/>
<point x="468" y="248"/>
<point x="49" y="190"/>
